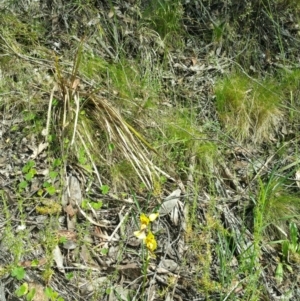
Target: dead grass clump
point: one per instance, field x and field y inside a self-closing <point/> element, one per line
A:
<point x="91" y="123"/>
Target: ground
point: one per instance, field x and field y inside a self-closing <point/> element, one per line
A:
<point x="149" y="150"/>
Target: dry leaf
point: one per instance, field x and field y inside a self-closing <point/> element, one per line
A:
<point x="175" y="215"/>
<point x="169" y="265"/>
<point x="58" y="258"/>
<point x="111" y="14"/>
<point x="38" y="150"/>
<point x="170" y="202"/>
<point x="75" y="83"/>
<point x="297" y="176"/>
<point x="75" y="192"/>
<point x="70" y="210"/>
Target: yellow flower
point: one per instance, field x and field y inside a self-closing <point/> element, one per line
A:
<point x="153" y="216"/>
<point x="149" y="239"/>
<point x="150" y="242"/>
<point x="144" y="221"/>
<point x="141" y="234"/>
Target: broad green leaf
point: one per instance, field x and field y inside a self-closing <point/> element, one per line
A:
<point x="22" y="290"/>
<point x="23" y="184"/>
<point x="30" y="295"/>
<point x="18" y="272"/>
<point x="104" y="189"/>
<point x="51" y="190"/>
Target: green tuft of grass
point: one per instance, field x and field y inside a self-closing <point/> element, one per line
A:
<point x="165" y="17"/>
<point x="249" y="111"/>
<point x="280" y="208"/>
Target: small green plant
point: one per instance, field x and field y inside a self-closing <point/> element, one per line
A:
<point x="104" y="189"/>
<point x="18" y="272"/>
<point x="52" y="295"/>
<point x="104" y="251"/>
<point x="23" y="290"/>
<point x="281" y="206"/>
<point x="28" y="115"/>
<point x="149" y="242"/>
<point x="86" y="203"/>
<point x="29" y="172"/>
<point x="48" y="185"/>
<point x="69" y="276"/>
<point x="290" y="249"/>
<point x="49" y="188"/>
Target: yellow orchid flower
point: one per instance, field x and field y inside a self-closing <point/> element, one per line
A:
<point x="145" y="234"/>
<point x="144" y="221"/>
<point x="153" y="216"/>
<point x="150" y="242"/>
<point x="141" y="234"/>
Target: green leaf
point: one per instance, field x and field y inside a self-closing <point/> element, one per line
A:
<point x="62" y="239"/>
<point x="111" y="147"/>
<point x="14" y="128"/>
<point x="46" y="184"/>
<point x="18" y="273"/>
<point x="35" y="263"/>
<point x="285" y="246"/>
<point x="50" y="293"/>
<point x="22" y="290"/>
<point x="32" y="172"/>
<point x="104" y="251"/>
<point x="294" y="234"/>
<point x="104" y="189"/>
<point x="28" y="166"/>
<point x="51" y="190"/>
<point x="97" y="205"/>
<point x="279" y="272"/>
<point x="40" y="192"/>
<point x="23" y="184"/>
<point x="69" y="276"/>
<point x="53" y="174"/>
<point x="30" y="295"/>
<point x="56" y="163"/>
<point x="55" y="102"/>
<point x="28" y="177"/>
<point x="28" y="116"/>
<point x="84" y="204"/>
<point x="50" y="138"/>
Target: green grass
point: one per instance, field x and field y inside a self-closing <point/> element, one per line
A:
<point x="249" y="111"/>
<point x="165" y="17"/>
